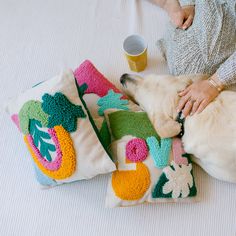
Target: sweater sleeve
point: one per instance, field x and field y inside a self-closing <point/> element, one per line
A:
<point x="227" y="71"/>
<point x="186" y="2"/>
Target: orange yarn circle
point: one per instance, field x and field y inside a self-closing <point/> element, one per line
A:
<point x="131" y="184"/>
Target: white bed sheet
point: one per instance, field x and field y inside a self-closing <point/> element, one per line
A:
<point x="37" y="40"/>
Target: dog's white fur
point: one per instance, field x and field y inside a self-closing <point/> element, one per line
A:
<point x="209" y="136"/>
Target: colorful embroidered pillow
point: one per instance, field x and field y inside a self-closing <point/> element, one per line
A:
<point x="99" y="95"/>
<point x="149" y="169"/>
<point x="58" y="132"/>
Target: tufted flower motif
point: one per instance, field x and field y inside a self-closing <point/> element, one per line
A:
<point x="61" y="111"/>
<point x="180" y="180"/>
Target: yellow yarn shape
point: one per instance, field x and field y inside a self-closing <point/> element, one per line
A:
<point x="68" y="163"/>
<point x="132" y="184"/>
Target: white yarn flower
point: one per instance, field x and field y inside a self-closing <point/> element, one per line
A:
<point x="180" y="180"/>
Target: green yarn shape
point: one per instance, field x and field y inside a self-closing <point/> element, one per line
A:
<point x="105" y="134"/>
<point x="136" y="124"/>
<point x="61" y="111"/>
<point x="112" y="100"/>
<point x="39" y="137"/>
<point x="82" y="89"/>
<point x="31" y="110"/>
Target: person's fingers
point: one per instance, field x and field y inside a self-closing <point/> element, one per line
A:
<point x="195" y="107"/>
<point x="188" y="22"/>
<point x="202" y="106"/>
<point x="187" y="108"/>
<point x="184" y="92"/>
<point x="182" y="102"/>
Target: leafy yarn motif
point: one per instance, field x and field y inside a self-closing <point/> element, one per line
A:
<point x="111" y="100"/>
<point x="31" y="110"/>
<point x="61" y="111"/>
<point x="39" y="139"/>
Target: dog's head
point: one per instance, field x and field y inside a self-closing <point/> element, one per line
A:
<point x="158" y="96"/>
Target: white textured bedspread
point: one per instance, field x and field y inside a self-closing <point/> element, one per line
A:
<point x="37" y="40"/>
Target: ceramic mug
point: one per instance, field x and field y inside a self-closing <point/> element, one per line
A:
<point x="135" y="49"/>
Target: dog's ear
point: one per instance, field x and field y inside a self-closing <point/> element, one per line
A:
<point x="165" y="126"/>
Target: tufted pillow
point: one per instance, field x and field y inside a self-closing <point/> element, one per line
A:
<point x="99" y="95"/>
<point x="149" y="169"/>
<point x="58" y="133"/>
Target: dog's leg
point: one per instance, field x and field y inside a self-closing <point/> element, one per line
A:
<point x="166" y="127"/>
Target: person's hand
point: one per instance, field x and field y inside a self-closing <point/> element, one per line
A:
<point x="182" y="17"/>
<point x="189" y="12"/>
<point x="196" y="97"/>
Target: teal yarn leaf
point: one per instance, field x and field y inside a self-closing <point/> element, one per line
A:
<point x="112" y="100"/>
<point x="160" y="151"/>
<point x="39" y="137"/>
<point x="61" y="111"/>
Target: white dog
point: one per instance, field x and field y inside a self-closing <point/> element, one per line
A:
<point x="209" y="136"/>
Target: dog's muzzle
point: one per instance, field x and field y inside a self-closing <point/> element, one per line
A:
<point x="123" y="79"/>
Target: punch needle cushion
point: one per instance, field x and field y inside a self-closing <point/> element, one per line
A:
<point x="99" y="95"/>
<point x="149" y="169"/>
<point x="58" y="133"/>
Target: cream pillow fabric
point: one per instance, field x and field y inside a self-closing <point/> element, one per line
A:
<point x="58" y="133"/>
<point x="149" y="169"/>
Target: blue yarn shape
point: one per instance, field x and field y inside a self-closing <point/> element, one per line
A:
<point x="160" y="152"/>
<point x="42" y="178"/>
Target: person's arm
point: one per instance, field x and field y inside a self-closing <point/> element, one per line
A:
<point x="226" y="74"/>
<point x="168" y="5"/>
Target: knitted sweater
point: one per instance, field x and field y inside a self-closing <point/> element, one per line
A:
<point x="208" y="46"/>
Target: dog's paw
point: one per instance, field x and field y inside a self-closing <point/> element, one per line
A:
<point x="169" y="129"/>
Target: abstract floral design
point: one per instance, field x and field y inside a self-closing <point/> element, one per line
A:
<point x="180" y="180"/>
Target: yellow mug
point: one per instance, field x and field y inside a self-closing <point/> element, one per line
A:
<point x="135" y="49"/>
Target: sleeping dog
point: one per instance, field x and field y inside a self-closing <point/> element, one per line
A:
<point x="209" y="136"/>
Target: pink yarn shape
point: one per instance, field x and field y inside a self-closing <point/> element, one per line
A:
<point x="54" y="165"/>
<point x="136" y="150"/>
<point x="178" y="151"/>
<point x="15" y="119"/>
<point x="97" y="83"/>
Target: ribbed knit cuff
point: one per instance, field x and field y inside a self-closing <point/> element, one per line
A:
<point x="186" y="2"/>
